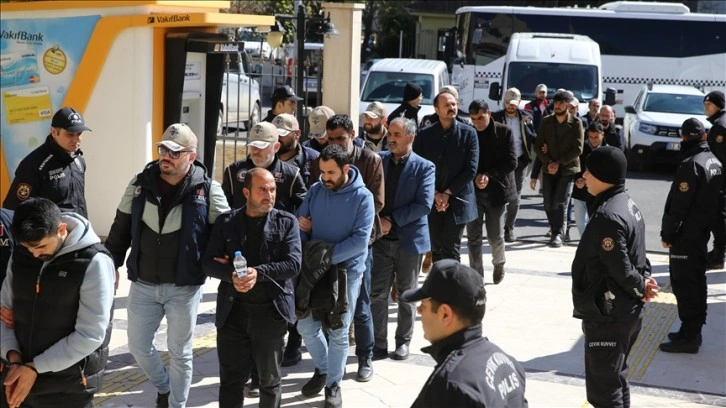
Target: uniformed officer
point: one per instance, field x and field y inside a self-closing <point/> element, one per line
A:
<point x="56" y="169"/>
<point x="470" y="370"/>
<point x="610" y="279"/>
<point x="687" y="219"/>
<point x="713" y="105"/>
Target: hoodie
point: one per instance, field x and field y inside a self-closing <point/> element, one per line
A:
<point x="343" y="218"/>
<point x="94" y="309"/>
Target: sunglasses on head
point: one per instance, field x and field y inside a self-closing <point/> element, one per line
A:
<point x="165" y="151"/>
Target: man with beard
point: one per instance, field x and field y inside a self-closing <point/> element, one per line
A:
<point x="253" y="311"/>
<point x="338" y="210"/>
<point x="263" y="144"/>
<point x="284" y="100"/>
<point x="613" y="133"/>
<point x="431" y="118"/>
<point x="291" y="151"/>
<point x="559" y="145"/>
<point x="495" y="186"/>
<point x="713" y="105"/>
<point x="521" y="123"/>
<point x="165" y="216"/>
<point x="374" y="126"/>
<point x="412" y="97"/>
<point x="453" y="148"/>
<point x="540" y="106"/>
<point x="340" y="132"/>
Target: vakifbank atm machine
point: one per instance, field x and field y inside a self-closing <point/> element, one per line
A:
<point x="194" y="67"/>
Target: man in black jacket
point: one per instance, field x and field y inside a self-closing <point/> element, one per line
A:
<point x="613" y="132"/>
<point x="412" y="97"/>
<point x="610" y="279"/>
<point x="687" y="218"/>
<point x="470" y="370"/>
<point x="495" y="186"/>
<point x="713" y="104"/>
<point x="253" y="311"/>
<point x="284" y="100"/>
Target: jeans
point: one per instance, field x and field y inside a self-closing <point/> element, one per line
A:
<point x="513" y="205"/>
<point x="330" y="356"/>
<point x="445" y="235"/>
<point x="581" y="216"/>
<point x="363" y="321"/>
<point x="389" y="260"/>
<point x="556" y="192"/>
<point x="147" y="305"/>
<point x="250" y="330"/>
<point x="494" y="217"/>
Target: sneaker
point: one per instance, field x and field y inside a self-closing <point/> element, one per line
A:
<point x="401" y="352"/>
<point x="379" y="353"/>
<point x="315" y="384"/>
<point x="498" y="274"/>
<point x="253" y="389"/>
<point x="509" y="235"/>
<point x="365" y="369"/>
<point x="555" y="241"/>
<point x="427" y="262"/>
<point x="162" y="400"/>
<point x="682" y="345"/>
<point x="333" y="397"/>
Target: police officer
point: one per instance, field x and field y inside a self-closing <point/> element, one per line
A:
<point x="453" y="302"/>
<point x="6" y="240"/>
<point x="689" y="212"/>
<point x="713" y="104"/>
<point x="610" y="279"/>
<point x="55" y="170"/>
<point x="284" y="100"/>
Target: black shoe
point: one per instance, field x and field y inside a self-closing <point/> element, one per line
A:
<point x="682" y="345"/>
<point x="714" y="265"/>
<point x="498" y="274"/>
<point x="315" y="384"/>
<point x="162" y="400"/>
<point x="379" y="353"/>
<point x="291" y="356"/>
<point x="715" y="260"/>
<point x="333" y="397"/>
<point x="365" y="369"/>
<point x="401" y="352"/>
<point x="555" y="241"/>
<point x="679" y="335"/>
<point x="509" y="235"/>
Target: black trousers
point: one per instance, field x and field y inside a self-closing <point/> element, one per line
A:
<point x="719" y="227"/>
<point x="607" y="346"/>
<point x="64" y="399"/>
<point x="250" y="330"/>
<point x="445" y="235"/>
<point x="688" y="277"/>
<point x="556" y="192"/>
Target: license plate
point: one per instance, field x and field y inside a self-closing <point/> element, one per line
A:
<point x="673" y="146"/>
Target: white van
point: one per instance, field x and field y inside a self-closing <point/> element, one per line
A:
<point x="565" y="61"/>
<point x="387" y="78"/>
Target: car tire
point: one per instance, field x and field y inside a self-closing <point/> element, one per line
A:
<point x="255" y="115"/>
<point x="636" y="163"/>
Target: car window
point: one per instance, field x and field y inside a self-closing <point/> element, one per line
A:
<point x="673" y="103"/>
<point x="636" y="103"/>
<point x="387" y="87"/>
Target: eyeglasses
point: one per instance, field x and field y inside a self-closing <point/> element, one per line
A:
<point x="165" y="151"/>
<point x="339" y="139"/>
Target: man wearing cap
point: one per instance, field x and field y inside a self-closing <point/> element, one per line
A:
<point x="284" y="100"/>
<point x="559" y="145"/>
<point x="316" y="135"/>
<point x="713" y="105"/>
<point x="610" y="279"/>
<point x="412" y="97"/>
<point x="521" y="123"/>
<point x="540" y="106"/>
<point x="494" y="188"/>
<point x="165" y="216"/>
<point x="613" y="132"/>
<point x="687" y="219"/>
<point x="470" y="370"/>
<point x="56" y="170"/>
<point x="263" y="144"/>
<point x="374" y="127"/>
<point x="291" y="151"/>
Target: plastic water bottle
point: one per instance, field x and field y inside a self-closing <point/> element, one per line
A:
<point x="240" y="264"/>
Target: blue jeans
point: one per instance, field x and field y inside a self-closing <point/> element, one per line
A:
<point x="363" y="319"/>
<point x="581" y="216"/>
<point x="148" y="303"/>
<point x="330" y="358"/>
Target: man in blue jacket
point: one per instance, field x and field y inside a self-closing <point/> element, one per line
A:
<point x="409" y="193"/>
<point x="253" y="312"/>
<point x="454" y="149"/>
<point x="338" y="210"/>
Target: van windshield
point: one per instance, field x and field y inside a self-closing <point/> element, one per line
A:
<point x="387" y="87"/>
<point x="581" y="80"/>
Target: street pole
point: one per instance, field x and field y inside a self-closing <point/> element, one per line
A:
<point x="300" y="34"/>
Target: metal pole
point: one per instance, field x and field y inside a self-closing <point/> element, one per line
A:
<point x="400" y="44"/>
<point x="300" y="60"/>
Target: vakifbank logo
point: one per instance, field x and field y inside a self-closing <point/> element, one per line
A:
<point x="21" y="35"/>
<point x="176" y="18"/>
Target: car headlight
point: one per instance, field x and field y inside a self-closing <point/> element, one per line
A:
<point x="647" y="128"/>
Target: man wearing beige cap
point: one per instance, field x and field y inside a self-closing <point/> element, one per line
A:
<point x="374" y="127"/>
<point x="316" y="135"/>
<point x="291" y="151"/>
<point x="165" y="216"/>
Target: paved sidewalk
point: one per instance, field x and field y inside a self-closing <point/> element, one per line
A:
<point x="528" y="315"/>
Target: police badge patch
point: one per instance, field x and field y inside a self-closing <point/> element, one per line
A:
<point x="23" y="191"/>
<point x="683" y="187"/>
<point x="607" y="244"/>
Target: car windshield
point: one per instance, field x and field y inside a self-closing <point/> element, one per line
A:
<point x="581" y="80"/>
<point x="387" y="87"/>
<point x="674" y="103"/>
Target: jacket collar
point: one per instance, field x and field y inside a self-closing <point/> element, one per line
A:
<point x="442" y="348"/>
<point x="713" y="118"/>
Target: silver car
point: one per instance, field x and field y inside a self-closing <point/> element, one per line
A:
<point x="240" y="105"/>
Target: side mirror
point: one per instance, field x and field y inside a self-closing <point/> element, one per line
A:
<point x="610" y="96"/>
<point x="495" y="91"/>
<point x="630" y="109"/>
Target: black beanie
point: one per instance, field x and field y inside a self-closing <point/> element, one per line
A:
<point x="716" y="98"/>
<point x="607" y="164"/>
<point x="411" y="92"/>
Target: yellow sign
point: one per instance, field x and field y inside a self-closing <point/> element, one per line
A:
<point x="27" y="105"/>
<point x="55" y="60"/>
